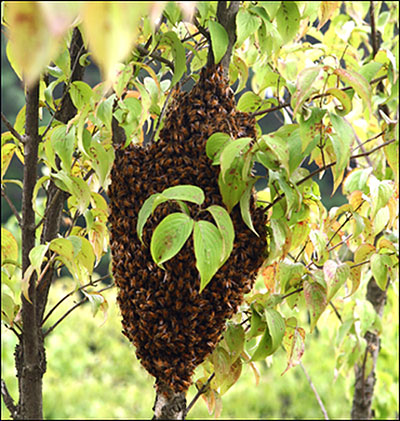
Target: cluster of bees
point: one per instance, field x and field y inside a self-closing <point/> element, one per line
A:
<point x="172" y="326"/>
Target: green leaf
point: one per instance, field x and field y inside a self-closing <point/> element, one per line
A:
<point x="63" y="143"/>
<point x="344" y="100"/>
<point x="63" y="247"/>
<point x="380" y="264"/>
<point x="305" y="86"/>
<point x="278" y="147"/>
<point x="124" y="73"/>
<point x="335" y="276"/>
<point x="234" y="337"/>
<point x="37" y="255"/>
<point x="221" y="363"/>
<point x="104" y="111"/>
<point x="288" y="20"/>
<point x="226" y="229"/>
<point x="316" y="300"/>
<point x="178" y="52"/>
<point x="272" y="337"/>
<point x="102" y="160"/>
<point x="187" y="192"/>
<point x="208" y="250"/>
<point x="219" y="40"/>
<point x="232" y="151"/>
<point x="358" y="83"/>
<point x="246" y="24"/>
<point x="215" y="144"/>
<point x="257" y="324"/>
<point x="169" y="237"/>
<point x="249" y="102"/>
<point x="245" y="207"/>
<point x="234" y="186"/>
<point x="81" y="94"/>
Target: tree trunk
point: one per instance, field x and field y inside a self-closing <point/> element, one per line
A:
<point x="169" y="405"/>
<point x="365" y="382"/>
<point x="29" y="355"/>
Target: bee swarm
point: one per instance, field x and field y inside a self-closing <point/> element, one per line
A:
<point x="171" y="324"/>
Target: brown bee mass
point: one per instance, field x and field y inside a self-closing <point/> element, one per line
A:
<point x="171" y="324"/>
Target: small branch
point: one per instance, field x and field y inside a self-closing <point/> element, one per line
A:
<point x="291" y="293"/>
<point x="12" y="207"/>
<point x="339" y="244"/>
<point x="287" y="104"/>
<point x="156" y="56"/>
<point x="199" y="393"/>
<point x="92" y="283"/>
<point x="11" y="128"/>
<point x="8" y="400"/>
<point x="320" y="403"/>
<point x="348" y="218"/>
<point x="336" y="311"/>
<point x="78" y="304"/>
<point x="161" y="116"/>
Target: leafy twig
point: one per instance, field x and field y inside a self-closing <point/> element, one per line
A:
<point x="91" y="283"/>
<point x="199" y="393"/>
<point x="78" y="304"/>
<point x="287" y="104"/>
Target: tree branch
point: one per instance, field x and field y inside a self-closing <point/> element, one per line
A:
<point x="320" y="403"/>
<point x="11" y="129"/>
<point x="199" y="393"/>
<point x="12" y="207"/>
<point x="78" y="304"/>
<point x="8" y="400"/>
<point x="287" y="104"/>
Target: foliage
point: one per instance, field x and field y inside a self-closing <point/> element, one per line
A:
<point x="313" y="63"/>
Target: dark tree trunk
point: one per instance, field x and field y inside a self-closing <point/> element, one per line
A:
<point x="365" y="382"/>
<point x="30" y="359"/>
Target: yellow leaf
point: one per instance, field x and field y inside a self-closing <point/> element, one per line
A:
<point x="111" y="29"/>
<point x="326" y="11"/>
<point x="28" y="31"/>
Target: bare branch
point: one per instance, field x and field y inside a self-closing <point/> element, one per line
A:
<point x="11" y="128"/>
<point x="8" y="400"/>
<point x="156" y="56"/>
<point x="12" y="207"/>
<point x="320" y="403"/>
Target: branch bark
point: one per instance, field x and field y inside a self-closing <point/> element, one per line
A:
<point x="169" y="405"/>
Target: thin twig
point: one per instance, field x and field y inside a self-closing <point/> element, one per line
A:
<point x="161" y="116"/>
<point x="8" y="400"/>
<point x="12" y="130"/>
<point x="320" y="403"/>
<point x="78" y="304"/>
<point x="91" y="283"/>
<point x="336" y="311"/>
<point x="199" y="393"/>
<point x="348" y="218"/>
<point x="287" y="104"/>
<point x="156" y="56"/>
<point x="12" y="207"/>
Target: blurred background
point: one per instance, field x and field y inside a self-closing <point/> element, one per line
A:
<point x="92" y="371"/>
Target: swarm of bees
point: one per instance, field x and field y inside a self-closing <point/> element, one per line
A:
<point x="171" y="324"/>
